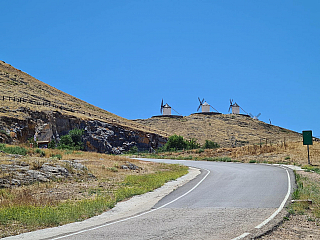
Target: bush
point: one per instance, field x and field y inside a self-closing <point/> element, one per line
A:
<point x="192" y="144"/>
<point x="133" y="150"/>
<point x="176" y="142"/>
<point x="210" y="144"/>
<point x="72" y="141"/>
<point x="52" y="144"/>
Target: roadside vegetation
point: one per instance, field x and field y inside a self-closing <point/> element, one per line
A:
<point x="47" y="204"/>
<point x="307" y="196"/>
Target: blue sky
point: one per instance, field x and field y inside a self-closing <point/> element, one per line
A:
<point x="125" y="56"/>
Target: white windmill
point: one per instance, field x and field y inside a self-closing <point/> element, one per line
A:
<point x="205" y="107"/>
<point x="166" y="109"/>
<point x="235" y="108"/>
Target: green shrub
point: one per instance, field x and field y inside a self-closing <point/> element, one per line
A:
<point x="52" y="144"/>
<point x="210" y="144"/>
<point x="192" y="144"/>
<point x="201" y="150"/>
<point x="72" y="140"/>
<point x="176" y="142"/>
<point x="13" y="150"/>
<point x="2" y="146"/>
<point x="133" y="150"/>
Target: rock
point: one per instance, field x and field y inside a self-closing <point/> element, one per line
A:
<point x="98" y="136"/>
<point x="21" y="174"/>
<point x="130" y="166"/>
<point x="54" y="170"/>
<point x="15" y="182"/>
<point x="75" y="165"/>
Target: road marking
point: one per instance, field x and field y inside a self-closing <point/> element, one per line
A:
<point x="276" y="212"/>
<point x="281" y="206"/>
<point x="141" y="214"/>
<point x="241" y="236"/>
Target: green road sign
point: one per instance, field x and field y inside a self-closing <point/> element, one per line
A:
<point x="307" y="137"/>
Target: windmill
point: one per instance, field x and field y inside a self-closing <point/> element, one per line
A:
<point x="166" y="109"/>
<point x="255" y="117"/>
<point x="205" y="107"/>
<point x="235" y="108"/>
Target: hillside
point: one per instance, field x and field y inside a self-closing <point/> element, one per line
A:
<point x="229" y="130"/>
<point x="19" y="89"/>
<point x="30" y="108"/>
<point x="47" y="112"/>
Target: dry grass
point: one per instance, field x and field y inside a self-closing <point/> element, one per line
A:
<point x="100" y="193"/>
<point x="294" y="153"/>
<point x="227" y="130"/>
<point x="15" y="83"/>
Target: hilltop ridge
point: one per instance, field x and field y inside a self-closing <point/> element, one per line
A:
<point x="229" y="130"/>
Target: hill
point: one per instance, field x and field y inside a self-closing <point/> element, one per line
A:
<point x="29" y="107"/>
<point x="229" y="130"/>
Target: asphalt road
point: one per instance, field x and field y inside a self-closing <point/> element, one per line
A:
<point x="225" y="201"/>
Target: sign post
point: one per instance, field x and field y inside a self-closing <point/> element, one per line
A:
<point x="307" y="140"/>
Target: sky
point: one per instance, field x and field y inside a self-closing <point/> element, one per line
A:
<point x="126" y="56"/>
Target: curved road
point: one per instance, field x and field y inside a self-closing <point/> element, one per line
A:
<point x="226" y="201"/>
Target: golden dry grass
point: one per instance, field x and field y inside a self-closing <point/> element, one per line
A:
<point x="227" y="130"/>
<point x="294" y="153"/>
<point x="15" y="83"/>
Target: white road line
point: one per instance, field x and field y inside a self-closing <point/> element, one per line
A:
<point x="276" y="212"/>
<point x="122" y="220"/>
<point x="281" y="206"/>
<point x="241" y="236"/>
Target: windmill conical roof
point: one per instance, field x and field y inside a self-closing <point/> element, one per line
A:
<point x="166" y="106"/>
<point x="206" y="104"/>
<point x="235" y="105"/>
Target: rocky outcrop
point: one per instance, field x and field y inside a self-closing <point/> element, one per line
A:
<point x="98" y="136"/>
<point x="19" y="173"/>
